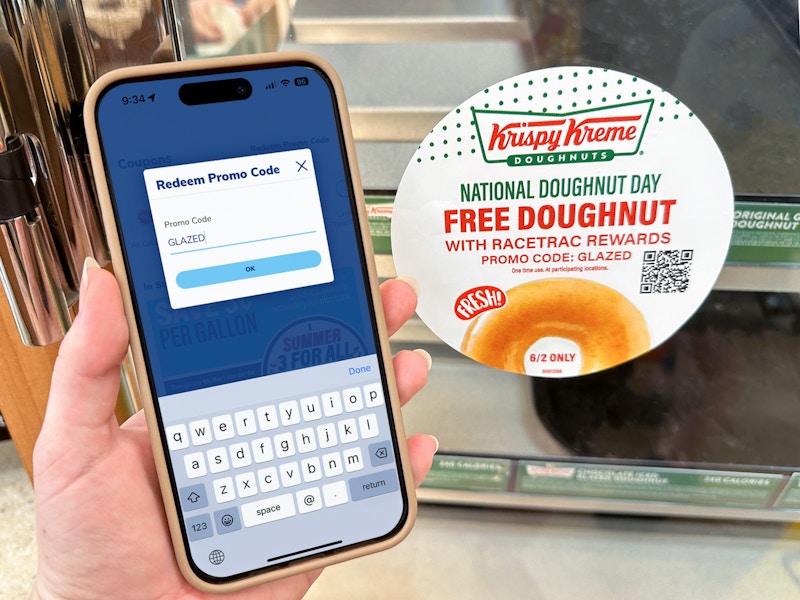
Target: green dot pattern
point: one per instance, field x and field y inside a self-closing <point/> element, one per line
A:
<point x="551" y="92"/>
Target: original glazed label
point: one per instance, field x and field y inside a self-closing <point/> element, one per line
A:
<point x="563" y="221"/>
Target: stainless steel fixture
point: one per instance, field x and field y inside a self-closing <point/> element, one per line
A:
<point x="51" y="52"/>
<point x="736" y="63"/>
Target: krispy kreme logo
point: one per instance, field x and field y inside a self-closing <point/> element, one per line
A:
<point x="379" y="210"/>
<point x="524" y="139"/>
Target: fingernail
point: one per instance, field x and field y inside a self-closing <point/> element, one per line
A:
<point x="435" y="439"/>
<point x="424" y="354"/>
<point x="410" y="281"/>
<point x="88" y="264"/>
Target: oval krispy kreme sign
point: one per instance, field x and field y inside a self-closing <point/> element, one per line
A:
<point x="563" y="221"/>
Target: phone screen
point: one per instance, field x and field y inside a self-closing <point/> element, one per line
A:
<point x="238" y="228"/>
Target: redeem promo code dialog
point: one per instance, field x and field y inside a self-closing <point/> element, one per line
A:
<point x="239" y="227"/>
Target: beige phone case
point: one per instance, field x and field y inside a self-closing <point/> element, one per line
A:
<point x="159" y="453"/>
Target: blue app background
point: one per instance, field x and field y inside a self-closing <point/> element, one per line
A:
<point x="222" y="342"/>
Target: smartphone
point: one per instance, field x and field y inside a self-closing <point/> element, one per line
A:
<point x="231" y="199"/>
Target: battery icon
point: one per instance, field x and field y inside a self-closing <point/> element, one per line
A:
<point x="301" y="80"/>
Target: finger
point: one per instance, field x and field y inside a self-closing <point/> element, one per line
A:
<point x="411" y="372"/>
<point x="399" y="298"/>
<point x="421" y="448"/>
<point x="86" y="374"/>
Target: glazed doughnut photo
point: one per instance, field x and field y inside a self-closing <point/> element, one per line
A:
<point x="603" y="323"/>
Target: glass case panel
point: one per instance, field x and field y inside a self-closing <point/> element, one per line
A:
<point x="708" y="423"/>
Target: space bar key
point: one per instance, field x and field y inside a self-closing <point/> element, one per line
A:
<point x="267" y="510"/>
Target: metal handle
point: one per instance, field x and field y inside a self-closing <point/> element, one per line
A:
<point x="32" y="275"/>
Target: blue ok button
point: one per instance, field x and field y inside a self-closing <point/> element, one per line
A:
<point x="260" y="267"/>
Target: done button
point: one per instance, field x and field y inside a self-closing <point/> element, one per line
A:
<point x="260" y="267"/>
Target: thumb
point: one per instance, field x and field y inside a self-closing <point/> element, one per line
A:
<point x="86" y="375"/>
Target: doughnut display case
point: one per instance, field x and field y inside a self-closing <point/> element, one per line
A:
<point x="706" y="424"/>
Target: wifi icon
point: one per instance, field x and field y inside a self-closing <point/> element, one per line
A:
<point x="285" y="82"/>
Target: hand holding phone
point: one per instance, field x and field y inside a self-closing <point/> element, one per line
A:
<point x="99" y="514"/>
<point x="233" y="211"/>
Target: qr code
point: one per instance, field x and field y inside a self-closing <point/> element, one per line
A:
<point x="666" y="271"/>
